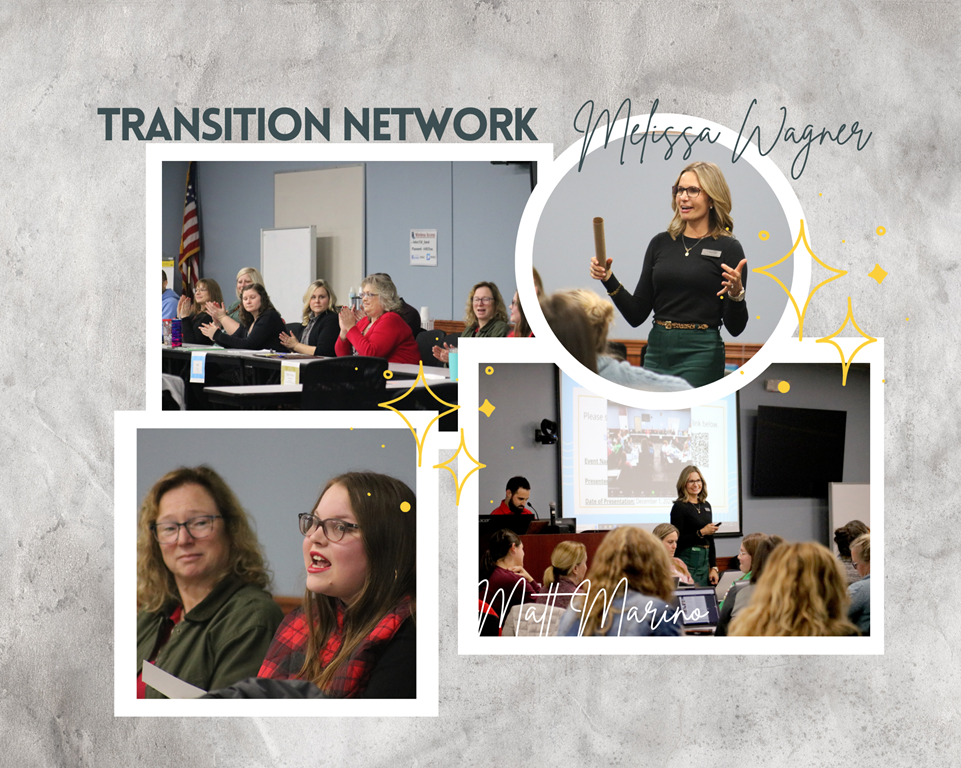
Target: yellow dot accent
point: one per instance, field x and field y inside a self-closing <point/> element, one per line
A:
<point x="492" y="501"/>
<point x="355" y="367"/>
<point x="880" y="230"/>
<point x="763" y="234"/>
<point x="382" y="446"/>
<point x="742" y="373"/>
<point x="757" y="317"/>
<point x="388" y="374"/>
<point x="844" y="241"/>
<point x="489" y="370"/>
<point x="405" y="506"/>
<point x="783" y="387"/>
<point x="820" y="194"/>
<point x="368" y="493"/>
<point x="512" y="447"/>
<point x="907" y="319"/>
<point x="883" y="380"/>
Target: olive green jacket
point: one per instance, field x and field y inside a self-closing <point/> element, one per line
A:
<point x="220" y="642"/>
<point x="493" y="329"/>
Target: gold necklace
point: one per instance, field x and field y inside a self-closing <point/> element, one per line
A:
<point x="687" y="250"/>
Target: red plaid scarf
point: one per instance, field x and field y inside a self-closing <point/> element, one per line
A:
<point x="286" y="655"/>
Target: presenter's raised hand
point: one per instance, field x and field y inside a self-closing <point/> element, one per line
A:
<point x="599" y="271"/>
<point x="731" y="284"/>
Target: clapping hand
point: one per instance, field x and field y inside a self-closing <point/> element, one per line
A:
<point x="208" y="330"/>
<point x="184" y="306"/>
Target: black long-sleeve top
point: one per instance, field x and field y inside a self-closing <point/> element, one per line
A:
<point x="689" y="519"/>
<point x="263" y="334"/>
<point x="190" y="326"/>
<point x="323" y="335"/>
<point x="683" y="289"/>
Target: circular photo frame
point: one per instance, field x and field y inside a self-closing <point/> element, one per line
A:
<point x="556" y="236"/>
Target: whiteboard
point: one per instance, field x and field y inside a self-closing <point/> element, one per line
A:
<point x="288" y="262"/>
<point x="847" y="502"/>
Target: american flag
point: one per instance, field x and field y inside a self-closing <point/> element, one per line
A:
<point x="189" y="261"/>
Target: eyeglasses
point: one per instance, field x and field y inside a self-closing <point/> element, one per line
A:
<point x="482" y="299"/>
<point x="693" y="482"/>
<point x="197" y="527"/>
<point x="334" y="529"/>
<point x="692" y="192"/>
<point x="368" y="295"/>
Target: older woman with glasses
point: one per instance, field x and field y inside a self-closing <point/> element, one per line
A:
<point x="355" y="637"/>
<point x="485" y="316"/>
<point x="379" y="331"/>
<point x="204" y="613"/>
<point x="693" y="279"/>
<point x="691" y="515"/>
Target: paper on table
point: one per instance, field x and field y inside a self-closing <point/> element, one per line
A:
<point x="170" y="686"/>
<point x="198" y="366"/>
<point x="290" y="372"/>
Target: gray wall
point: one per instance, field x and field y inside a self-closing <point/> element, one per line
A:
<point x="523" y="395"/>
<point x="635" y="202"/>
<point x="276" y="474"/>
<point x="475" y="206"/>
<point x="812" y="386"/>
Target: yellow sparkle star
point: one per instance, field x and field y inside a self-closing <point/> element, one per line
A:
<point x="389" y="406"/>
<point x="846" y="364"/>
<point x="802" y="237"/>
<point x="878" y="274"/>
<point x="487" y="408"/>
<point x="445" y="465"/>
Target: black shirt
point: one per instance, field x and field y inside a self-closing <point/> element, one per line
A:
<point x="689" y="519"/>
<point x="263" y="334"/>
<point x="683" y="289"/>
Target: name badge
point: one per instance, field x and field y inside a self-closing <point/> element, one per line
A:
<point x="707" y="252"/>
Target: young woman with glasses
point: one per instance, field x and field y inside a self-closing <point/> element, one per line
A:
<point x="693" y="280"/>
<point x="204" y="613"/>
<point x="378" y="331"/>
<point x="354" y="635"/>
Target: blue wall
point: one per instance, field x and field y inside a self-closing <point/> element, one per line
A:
<point x="475" y="206"/>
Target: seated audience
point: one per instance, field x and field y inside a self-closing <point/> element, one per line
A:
<point x="410" y="314"/>
<point x="320" y="322"/>
<point x="204" y="613"/>
<point x="518" y="491"/>
<point x="600" y="313"/>
<point x="245" y="277"/>
<point x="521" y="328"/>
<point x="745" y="557"/>
<point x="485" y="317"/>
<point x="739" y="595"/>
<point x="564" y="575"/>
<point x="668" y="535"/>
<point x="843" y="537"/>
<point x="192" y="312"/>
<point x="503" y="581"/>
<point x="355" y="635"/>
<point x="378" y="331"/>
<point x="627" y="592"/>
<point x="860" y="591"/>
<point x="260" y="324"/>
<point x="803" y="592"/>
<point x="570" y="324"/>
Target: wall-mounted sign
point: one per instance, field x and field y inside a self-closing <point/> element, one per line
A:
<point x="423" y="247"/>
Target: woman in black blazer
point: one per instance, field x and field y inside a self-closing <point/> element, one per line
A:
<point x="260" y="324"/>
<point x="321" y="326"/>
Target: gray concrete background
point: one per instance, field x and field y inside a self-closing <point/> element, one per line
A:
<point x="73" y="271"/>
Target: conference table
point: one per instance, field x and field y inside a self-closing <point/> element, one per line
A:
<point x="246" y="379"/>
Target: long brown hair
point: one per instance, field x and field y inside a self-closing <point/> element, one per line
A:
<point x="630" y="554"/>
<point x="389" y="534"/>
<point x="682" y="484"/>
<point x="156" y="586"/>
<point x="247" y="319"/>
<point x="213" y="289"/>
<point x="498" y="547"/>
<point x="802" y="592"/>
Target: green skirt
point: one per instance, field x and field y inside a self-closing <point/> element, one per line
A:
<point x="695" y="356"/>
<point x="698" y="563"/>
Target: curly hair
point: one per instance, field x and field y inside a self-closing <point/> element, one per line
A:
<point x="156" y="586"/>
<point x="266" y="306"/>
<point x="500" y="310"/>
<point x="802" y="592"/>
<point x="566" y="557"/>
<point x="626" y="554"/>
<point x="310" y="292"/>
<point x="389" y="535"/>
<point x="682" y="484"/>
<point x="385" y="289"/>
<point x="712" y="183"/>
<point x="213" y="290"/>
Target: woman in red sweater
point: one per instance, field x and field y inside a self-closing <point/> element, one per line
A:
<point x="379" y="331"/>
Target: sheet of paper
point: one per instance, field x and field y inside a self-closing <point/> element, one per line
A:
<point x="198" y="365"/>
<point x="290" y="372"/>
<point x="170" y="686"/>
